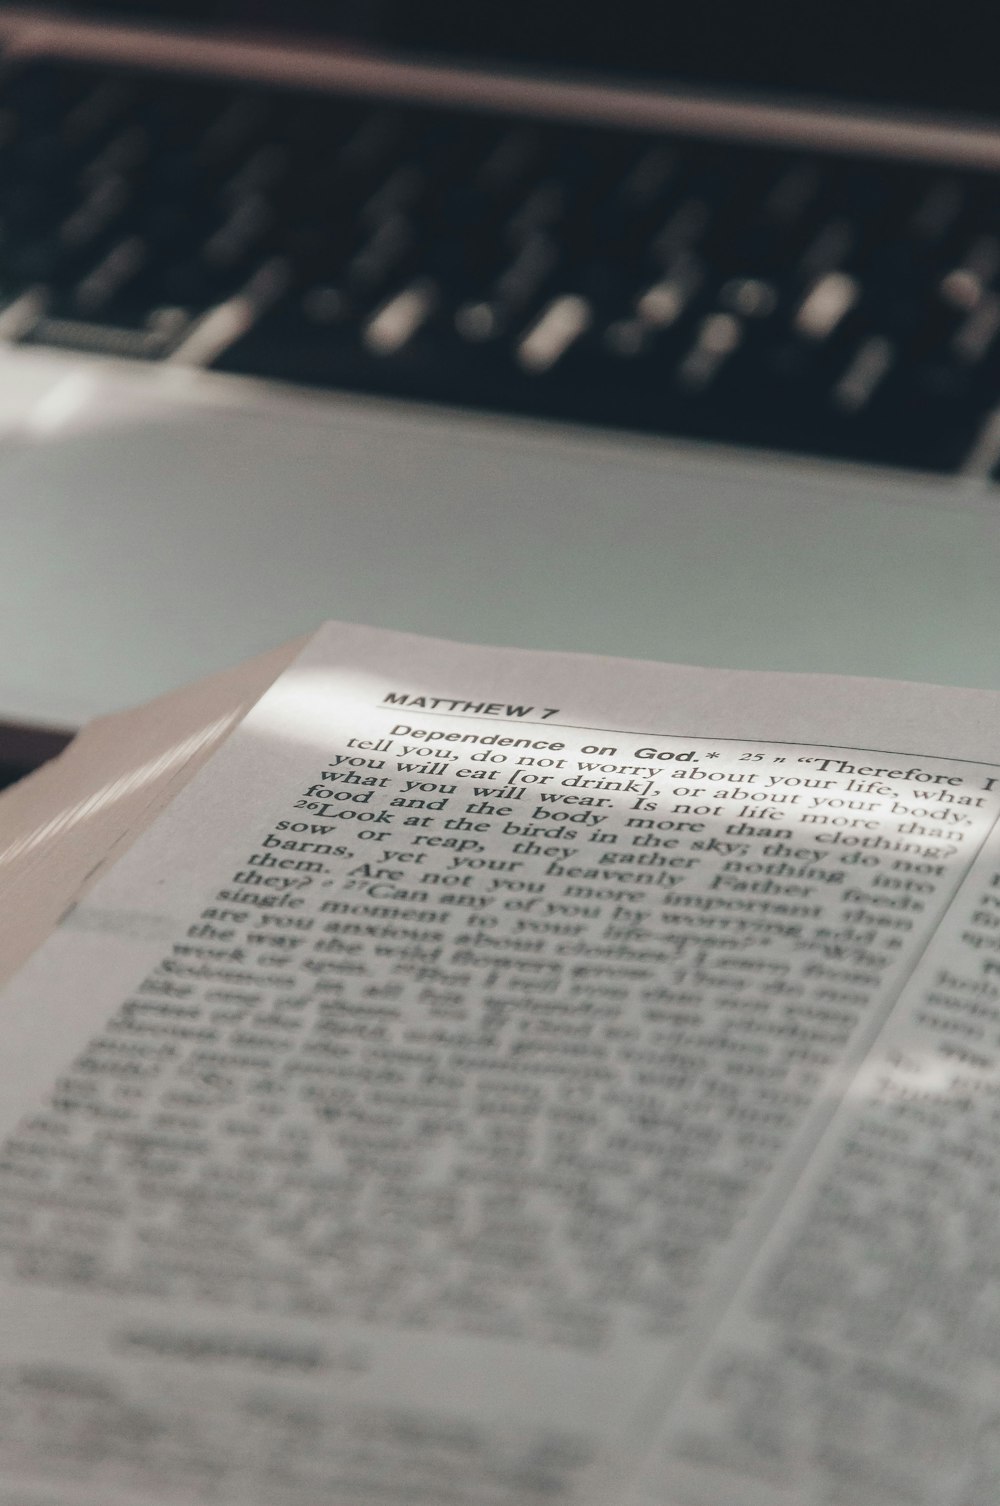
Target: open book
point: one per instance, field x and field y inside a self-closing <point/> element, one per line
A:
<point x="438" y="1074"/>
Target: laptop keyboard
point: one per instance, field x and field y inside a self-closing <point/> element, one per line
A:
<point x="780" y="298"/>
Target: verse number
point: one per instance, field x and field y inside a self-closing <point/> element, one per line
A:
<point x="751" y="757"/>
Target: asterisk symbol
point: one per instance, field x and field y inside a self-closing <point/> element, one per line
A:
<point x="711" y="755"/>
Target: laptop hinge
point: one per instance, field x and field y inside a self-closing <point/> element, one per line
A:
<point x="326" y="67"/>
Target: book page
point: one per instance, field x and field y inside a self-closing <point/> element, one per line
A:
<point x="860" y="1358"/>
<point x="404" y="1116"/>
<point x="61" y="824"/>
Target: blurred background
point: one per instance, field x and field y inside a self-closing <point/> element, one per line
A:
<point x="758" y="236"/>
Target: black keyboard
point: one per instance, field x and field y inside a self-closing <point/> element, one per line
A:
<point x="785" y="299"/>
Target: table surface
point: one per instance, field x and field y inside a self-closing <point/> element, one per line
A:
<point x="158" y="525"/>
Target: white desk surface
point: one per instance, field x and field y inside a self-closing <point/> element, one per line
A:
<point x="155" y="526"/>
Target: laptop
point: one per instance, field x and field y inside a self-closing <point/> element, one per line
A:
<point x="363" y="306"/>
